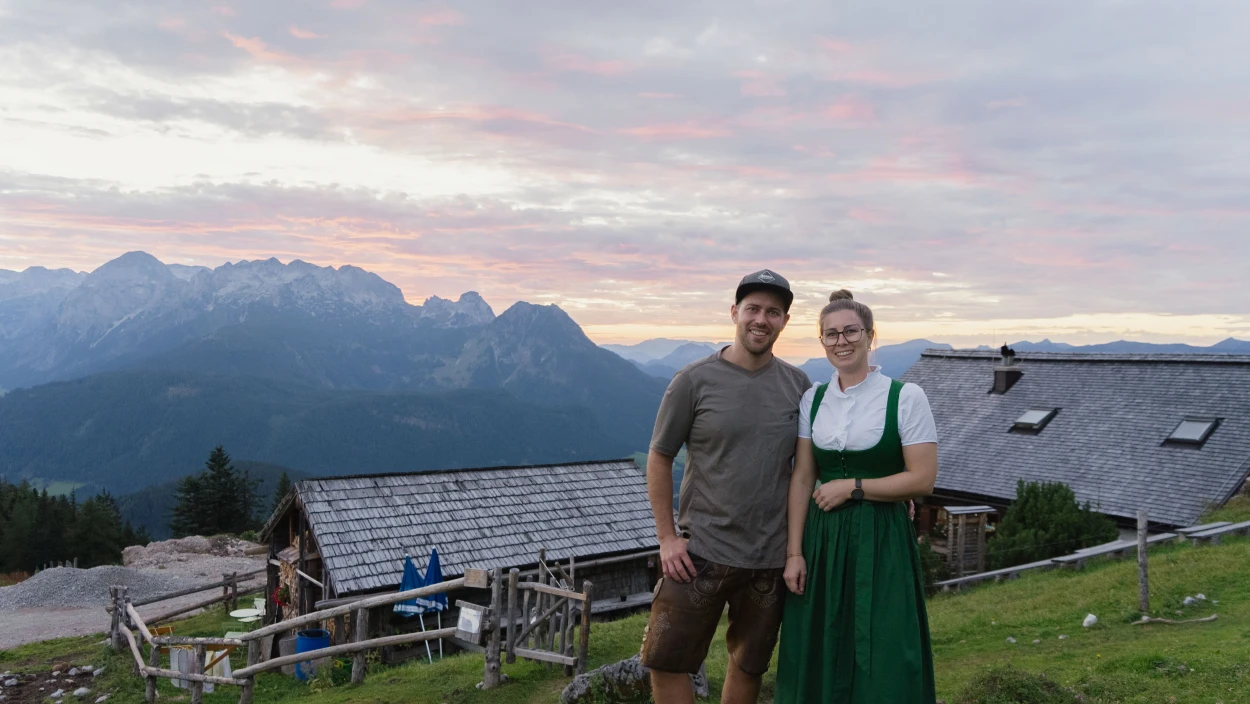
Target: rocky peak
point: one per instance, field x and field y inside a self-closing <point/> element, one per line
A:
<point x="470" y="309"/>
<point x="307" y="286"/>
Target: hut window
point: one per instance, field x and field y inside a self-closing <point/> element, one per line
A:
<point x="1034" y="420"/>
<point x="1192" y="431"/>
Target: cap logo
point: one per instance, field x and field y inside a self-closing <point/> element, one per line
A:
<point x="766" y="277"/>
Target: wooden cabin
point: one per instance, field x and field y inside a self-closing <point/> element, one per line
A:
<point x="334" y="539"/>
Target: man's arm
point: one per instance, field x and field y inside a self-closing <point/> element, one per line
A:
<point x="674" y="559"/>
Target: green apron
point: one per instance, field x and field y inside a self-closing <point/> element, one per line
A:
<point x="859" y="634"/>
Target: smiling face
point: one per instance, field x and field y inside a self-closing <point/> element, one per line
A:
<point x="846" y="357"/>
<point x="760" y="317"/>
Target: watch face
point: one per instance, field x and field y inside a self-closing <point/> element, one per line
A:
<point x="857" y="494"/>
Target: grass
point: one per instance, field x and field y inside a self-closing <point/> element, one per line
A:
<point x="8" y="579"/>
<point x="1235" y="511"/>
<point x="1112" y="662"/>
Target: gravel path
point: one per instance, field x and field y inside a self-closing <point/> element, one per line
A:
<point x="63" y="602"/>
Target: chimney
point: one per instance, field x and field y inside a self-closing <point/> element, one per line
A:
<point x="1007" y="373"/>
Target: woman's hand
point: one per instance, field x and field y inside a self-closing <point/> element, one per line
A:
<point x="796" y="574"/>
<point x="833" y="494"/>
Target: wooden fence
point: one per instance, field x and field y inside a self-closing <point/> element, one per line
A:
<point x="128" y="618"/>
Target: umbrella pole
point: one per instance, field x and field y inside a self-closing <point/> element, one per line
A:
<point x="427" y="643"/>
<point x="440" y="640"/>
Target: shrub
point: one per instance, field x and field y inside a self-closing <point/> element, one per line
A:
<point x="1004" y="684"/>
<point x="932" y="565"/>
<point x="1046" y="521"/>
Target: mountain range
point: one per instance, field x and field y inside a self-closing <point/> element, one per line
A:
<point x="128" y="376"/>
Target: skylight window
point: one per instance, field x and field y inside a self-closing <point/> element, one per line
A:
<point x="1193" y="431"/>
<point x="1034" y="420"/>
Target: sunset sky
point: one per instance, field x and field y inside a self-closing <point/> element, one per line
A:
<point x="975" y="171"/>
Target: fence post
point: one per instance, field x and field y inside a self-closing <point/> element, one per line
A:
<point x="491" y="678"/>
<point x="197" y="667"/>
<point x="1143" y="581"/>
<point x="114" y="634"/>
<point x="514" y="576"/>
<point x="234" y="591"/>
<point x="225" y="591"/>
<point x="253" y="658"/>
<point x="583" y="646"/>
<point x="360" y="625"/>
<point x="154" y="661"/>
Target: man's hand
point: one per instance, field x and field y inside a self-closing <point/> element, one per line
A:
<point x="675" y="560"/>
<point x="796" y="574"/>
<point x="833" y="494"/>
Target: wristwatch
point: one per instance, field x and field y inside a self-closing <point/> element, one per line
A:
<point x="858" y="492"/>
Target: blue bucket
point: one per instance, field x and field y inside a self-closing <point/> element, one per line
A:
<point x="308" y="641"/>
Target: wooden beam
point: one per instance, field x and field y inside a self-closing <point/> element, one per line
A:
<point x="548" y="589"/>
<point x="319" y="584"/>
<point x="382" y="600"/>
<point x="187" y="640"/>
<point x="546" y="656"/>
<point x="143" y="627"/>
<point x="193" y="677"/>
<point x="335" y="650"/>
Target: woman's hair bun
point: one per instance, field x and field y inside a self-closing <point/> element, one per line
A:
<point x="841" y="295"/>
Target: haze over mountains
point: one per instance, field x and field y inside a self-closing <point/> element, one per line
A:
<point x="129" y="375"/>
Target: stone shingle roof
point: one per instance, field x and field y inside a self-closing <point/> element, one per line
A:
<point x="1107" y="441"/>
<point x="475" y="517"/>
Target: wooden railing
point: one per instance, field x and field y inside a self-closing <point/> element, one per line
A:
<point x="126" y="618"/>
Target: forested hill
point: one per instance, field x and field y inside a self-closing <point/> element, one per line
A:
<point x="128" y="430"/>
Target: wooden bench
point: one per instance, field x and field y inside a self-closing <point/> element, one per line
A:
<point x="1204" y="527"/>
<point x="998" y="575"/>
<point x="1116" y="549"/>
<point x="1213" y="535"/>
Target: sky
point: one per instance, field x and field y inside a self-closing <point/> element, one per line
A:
<point x="976" y="171"/>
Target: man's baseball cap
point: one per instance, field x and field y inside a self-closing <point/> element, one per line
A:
<point x="765" y="280"/>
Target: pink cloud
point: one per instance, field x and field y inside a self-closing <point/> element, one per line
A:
<point x="685" y="130"/>
<point x="172" y="24"/>
<point x="256" y="48"/>
<point x="223" y="10"/>
<point x="304" y="33"/>
<point x="867" y="215"/>
<point x="441" y="17"/>
<point x="879" y="78"/>
<point x="850" y="108"/>
<point x="567" y="61"/>
<point x="759" y="84"/>
<point x="834" y="45"/>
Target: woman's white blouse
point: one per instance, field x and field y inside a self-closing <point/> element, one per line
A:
<point x="855" y="419"/>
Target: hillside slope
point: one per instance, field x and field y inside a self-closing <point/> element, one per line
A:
<point x="127" y="430"/>
<point x="1112" y="662"/>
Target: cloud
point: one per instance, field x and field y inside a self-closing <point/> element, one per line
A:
<point x="633" y="159"/>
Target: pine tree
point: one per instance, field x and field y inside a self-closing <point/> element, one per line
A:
<point x="1046" y="521"/>
<point x="188" y="515"/>
<point x="280" y="491"/>
<point x="97" y="535"/>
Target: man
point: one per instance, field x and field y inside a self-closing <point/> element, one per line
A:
<point x="736" y="413"/>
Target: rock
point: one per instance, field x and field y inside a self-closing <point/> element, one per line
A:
<point x="59" y="667"/>
<point x="86" y="668"/>
<point x="1010" y="639"/>
<point x="57" y="694"/>
<point x="81" y="692"/>
<point x="102" y="699"/>
<point x="97" y="673"/>
<point x="10" y="683"/>
<point x="56" y="673"/>
<point x="73" y="672"/>
<point x="1063" y="637"/>
<point x="1201" y="597"/>
<point x="621" y="681"/>
<point x="1090" y="620"/>
<point x="1189" y="601"/>
<point x="1036" y="641"/>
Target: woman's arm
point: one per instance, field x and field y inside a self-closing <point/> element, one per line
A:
<point x="915" y="480"/>
<point x="801" y="483"/>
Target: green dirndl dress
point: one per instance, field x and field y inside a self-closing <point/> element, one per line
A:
<point x="859" y="634"/>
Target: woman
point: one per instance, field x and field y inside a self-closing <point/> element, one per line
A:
<point x="855" y="628"/>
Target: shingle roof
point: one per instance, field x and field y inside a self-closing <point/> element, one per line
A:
<point x="475" y="517"/>
<point x="1106" y="441"/>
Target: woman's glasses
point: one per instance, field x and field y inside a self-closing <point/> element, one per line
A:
<point x="851" y="333"/>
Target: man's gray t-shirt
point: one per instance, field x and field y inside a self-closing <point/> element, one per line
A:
<point x="739" y="428"/>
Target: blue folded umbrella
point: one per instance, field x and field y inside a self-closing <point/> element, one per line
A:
<point x="412" y="580"/>
<point x="433" y="575"/>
